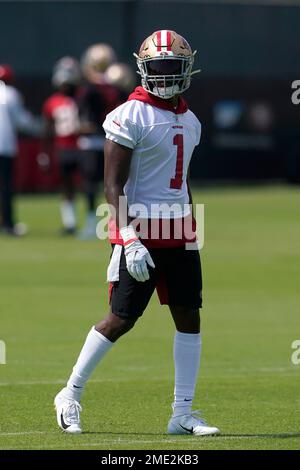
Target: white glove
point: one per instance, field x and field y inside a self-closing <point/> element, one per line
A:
<point x="137" y="255"/>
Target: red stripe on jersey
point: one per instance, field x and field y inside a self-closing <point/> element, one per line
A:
<point x="158" y="41"/>
<point x="156" y="228"/>
<point x="169" y="39"/>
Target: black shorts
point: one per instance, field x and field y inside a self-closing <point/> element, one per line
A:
<point x="88" y="162"/>
<point x="177" y="278"/>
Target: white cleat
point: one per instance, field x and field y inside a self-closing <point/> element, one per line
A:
<point x="191" y="424"/>
<point x="67" y="413"/>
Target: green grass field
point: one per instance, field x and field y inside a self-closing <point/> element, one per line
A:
<point x="53" y="289"/>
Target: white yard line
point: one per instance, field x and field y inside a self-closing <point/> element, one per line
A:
<point x="33" y="382"/>
<point x="162" y="438"/>
<point x="25" y="433"/>
<point x="61" y="381"/>
<point x="125" y="441"/>
<point x="284" y="371"/>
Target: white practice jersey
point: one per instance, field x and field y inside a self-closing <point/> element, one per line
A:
<point x="13" y="117"/>
<point x="162" y="143"/>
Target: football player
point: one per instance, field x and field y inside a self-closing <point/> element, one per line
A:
<point x="149" y="143"/>
<point x="62" y="127"/>
<point x="96" y="99"/>
<point x="122" y="77"/>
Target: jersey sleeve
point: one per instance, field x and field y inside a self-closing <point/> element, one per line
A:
<point x="16" y="105"/>
<point x="121" y="126"/>
<point x="23" y="120"/>
<point x="198" y="132"/>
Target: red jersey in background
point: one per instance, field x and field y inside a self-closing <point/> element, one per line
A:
<point x="63" y="111"/>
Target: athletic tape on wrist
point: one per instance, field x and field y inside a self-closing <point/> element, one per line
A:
<point x="128" y="235"/>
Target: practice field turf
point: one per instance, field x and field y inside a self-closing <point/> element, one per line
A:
<point x="52" y="289"/>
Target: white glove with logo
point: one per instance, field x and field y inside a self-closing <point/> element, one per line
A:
<point x="137" y="255"/>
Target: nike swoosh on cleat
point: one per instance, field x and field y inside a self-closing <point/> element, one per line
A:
<point x="64" y="425"/>
<point x="187" y="400"/>
<point x="75" y="386"/>
<point x="186" y="429"/>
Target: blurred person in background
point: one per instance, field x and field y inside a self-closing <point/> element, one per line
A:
<point x="61" y="132"/>
<point x="97" y="97"/>
<point x="13" y="118"/>
<point x="123" y="78"/>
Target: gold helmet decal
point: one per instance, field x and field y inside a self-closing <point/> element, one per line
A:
<point x="165" y="62"/>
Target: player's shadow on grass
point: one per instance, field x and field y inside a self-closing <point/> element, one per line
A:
<point x="287" y="435"/>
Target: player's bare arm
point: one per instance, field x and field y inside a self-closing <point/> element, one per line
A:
<point x="117" y="160"/>
<point x="190" y="193"/>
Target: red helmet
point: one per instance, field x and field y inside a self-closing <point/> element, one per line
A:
<point x="6" y="73"/>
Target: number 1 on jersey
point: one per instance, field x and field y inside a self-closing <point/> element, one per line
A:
<point x="176" y="183"/>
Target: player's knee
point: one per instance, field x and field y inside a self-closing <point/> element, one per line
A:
<point x="113" y="326"/>
<point x="187" y="320"/>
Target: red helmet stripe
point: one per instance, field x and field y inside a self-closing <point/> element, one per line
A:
<point x="159" y="41"/>
<point x="169" y="41"/>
